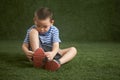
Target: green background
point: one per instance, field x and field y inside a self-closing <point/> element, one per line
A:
<point x="78" y="20"/>
<point x="92" y="26"/>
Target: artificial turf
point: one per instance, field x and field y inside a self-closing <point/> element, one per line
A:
<point x="94" y="61"/>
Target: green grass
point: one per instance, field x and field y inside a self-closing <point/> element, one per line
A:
<point x="94" y="61"/>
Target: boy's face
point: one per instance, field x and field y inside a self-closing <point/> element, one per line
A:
<point x="43" y="25"/>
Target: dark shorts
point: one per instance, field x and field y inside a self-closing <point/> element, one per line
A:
<point x="48" y="48"/>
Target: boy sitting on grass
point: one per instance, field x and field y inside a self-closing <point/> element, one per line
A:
<point x="43" y="34"/>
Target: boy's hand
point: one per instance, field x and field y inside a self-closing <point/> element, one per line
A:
<point x="29" y="54"/>
<point x="49" y="55"/>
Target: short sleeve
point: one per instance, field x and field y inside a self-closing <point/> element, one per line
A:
<point x="26" y="40"/>
<point x="56" y="35"/>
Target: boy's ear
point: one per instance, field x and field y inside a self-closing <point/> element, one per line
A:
<point x="52" y="21"/>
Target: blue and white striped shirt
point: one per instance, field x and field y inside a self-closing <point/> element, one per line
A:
<point x="47" y="38"/>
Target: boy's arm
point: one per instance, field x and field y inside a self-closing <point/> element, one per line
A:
<point x="25" y="49"/>
<point x="50" y="55"/>
<point x="55" y="48"/>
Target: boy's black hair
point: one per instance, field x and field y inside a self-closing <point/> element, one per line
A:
<point x="43" y="13"/>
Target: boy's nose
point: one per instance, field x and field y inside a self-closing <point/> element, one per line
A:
<point x="42" y="29"/>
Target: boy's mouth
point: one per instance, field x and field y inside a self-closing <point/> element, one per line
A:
<point x="42" y="32"/>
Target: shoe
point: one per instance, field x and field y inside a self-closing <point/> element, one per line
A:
<point x="52" y="65"/>
<point x="39" y="58"/>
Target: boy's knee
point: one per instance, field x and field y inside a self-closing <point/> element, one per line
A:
<point x="74" y="49"/>
<point x="33" y="31"/>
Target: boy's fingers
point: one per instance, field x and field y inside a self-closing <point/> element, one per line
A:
<point x="49" y="59"/>
<point x="31" y="52"/>
<point x="29" y="57"/>
<point x="47" y="55"/>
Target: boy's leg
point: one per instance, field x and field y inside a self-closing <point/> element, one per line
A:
<point x="34" y="39"/>
<point x="51" y="65"/>
<point x="67" y="54"/>
<point x="38" y="56"/>
<point x="62" y="56"/>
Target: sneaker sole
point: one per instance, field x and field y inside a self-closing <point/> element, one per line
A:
<point x="52" y="65"/>
<point x="38" y="58"/>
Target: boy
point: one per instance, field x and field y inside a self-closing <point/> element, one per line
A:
<point x="46" y="36"/>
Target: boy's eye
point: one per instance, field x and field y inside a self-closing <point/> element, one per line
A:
<point x="45" y="26"/>
<point x="38" y="26"/>
<point x="42" y="26"/>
